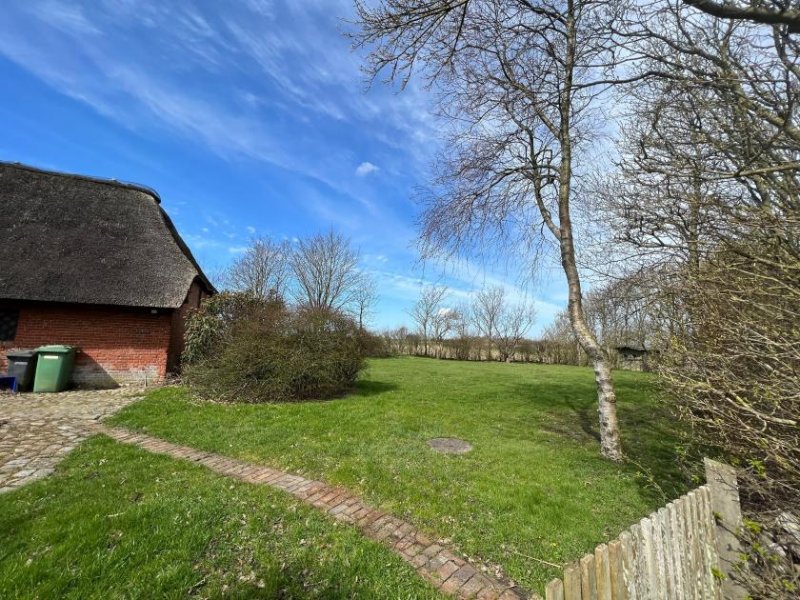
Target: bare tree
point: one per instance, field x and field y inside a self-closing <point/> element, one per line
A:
<point x="722" y="109"/>
<point x="768" y="12"/>
<point x="398" y="339"/>
<point x="487" y="309"/>
<point x="441" y="326"/>
<point x="263" y="269"/>
<point x="561" y="346"/>
<point x="518" y="81"/>
<point x="512" y="327"/>
<point x="462" y="328"/>
<point x="365" y="296"/>
<point x="425" y="311"/>
<point x="325" y="267"/>
<point x="710" y="193"/>
<point x="732" y="99"/>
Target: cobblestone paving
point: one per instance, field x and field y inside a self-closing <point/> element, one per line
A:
<point x="432" y="559"/>
<point x="38" y="430"/>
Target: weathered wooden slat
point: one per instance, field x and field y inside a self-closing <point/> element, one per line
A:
<point x="706" y="539"/>
<point x="694" y="541"/>
<point x="602" y="572"/>
<point x="698" y="539"/>
<point x="686" y="547"/>
<point x="672" y="553"/>
<point x="702" y="568"/>
<point x="616" y="570"/>
<point x="666" y="554"/>
<point x="658" y="547"/>
<point x="554" y="590"/>
<point x="642" y="583"/>
<point x="572" y="582"/>
<point x="648" y="550"/>
<point x="588" y="578"/>
<point x="629" y="565"/>
<point x="691" y="558"/>
<point x="676" y="560"/>
<point x="714" y="561"/>
<point x="709" y="545"/>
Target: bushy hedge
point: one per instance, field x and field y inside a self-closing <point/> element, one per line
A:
<point x="245" y="349"/>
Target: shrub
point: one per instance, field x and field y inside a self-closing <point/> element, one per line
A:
<point x="261" y="351"/>
<point x="734" y="373"/>
<point x="208" y="327"/>
<point x="375" y="346"/>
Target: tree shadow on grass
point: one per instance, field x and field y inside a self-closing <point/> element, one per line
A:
<point x="650" y="433"/>
<point x="366" y="388"/>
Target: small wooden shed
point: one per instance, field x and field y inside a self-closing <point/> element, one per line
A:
<point x="632" y="357"/>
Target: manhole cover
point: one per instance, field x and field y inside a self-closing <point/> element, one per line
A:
<point x="450" y="445"/>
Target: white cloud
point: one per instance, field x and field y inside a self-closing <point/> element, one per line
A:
<point x="237" y="249"/>
<point x="251" y="230"/>
<point x="365" y="168"/>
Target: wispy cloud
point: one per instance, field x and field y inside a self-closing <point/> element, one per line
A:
<point x="268" y="90"/>
<point x="305" y="58"/>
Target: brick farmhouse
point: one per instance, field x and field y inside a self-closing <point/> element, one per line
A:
<point x="95" y="264"/>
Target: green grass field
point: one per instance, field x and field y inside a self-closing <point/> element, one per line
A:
<point x="118" y="522"/>
<point x="533" y="489"/>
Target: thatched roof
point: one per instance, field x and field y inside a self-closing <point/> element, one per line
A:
<point x="630" y="346"/>
<point x="75" y="239"/>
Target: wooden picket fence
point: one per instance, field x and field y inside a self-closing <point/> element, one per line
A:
<point x="683" y="550"/>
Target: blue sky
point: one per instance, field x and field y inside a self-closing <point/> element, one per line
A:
<point x="248" y="117"/>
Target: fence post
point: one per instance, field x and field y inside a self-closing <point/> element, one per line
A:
<point x="554" y="590"/>
<point x="727" y="513"/>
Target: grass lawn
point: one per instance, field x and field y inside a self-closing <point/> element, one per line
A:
<point x="533" y="488"/>
<point x="118" y="522"/>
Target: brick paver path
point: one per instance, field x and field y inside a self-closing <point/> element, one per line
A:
<point x="38" y="430"/>
<point x="432" y="560"/>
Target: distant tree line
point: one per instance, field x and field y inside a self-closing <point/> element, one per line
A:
<point x="492" y="328"/>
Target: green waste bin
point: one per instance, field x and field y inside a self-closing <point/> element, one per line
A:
<point x="54" y="368"/>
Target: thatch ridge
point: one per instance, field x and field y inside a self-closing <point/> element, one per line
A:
<point x="78" y="239"/>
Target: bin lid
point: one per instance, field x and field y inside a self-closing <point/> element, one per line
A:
<point x="21" y="353"/>
<point x="55" y="349"/>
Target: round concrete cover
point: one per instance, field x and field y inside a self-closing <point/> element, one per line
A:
<point x="450" y="445"/>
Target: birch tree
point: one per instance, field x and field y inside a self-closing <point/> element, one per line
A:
<point x="518" y="82"/>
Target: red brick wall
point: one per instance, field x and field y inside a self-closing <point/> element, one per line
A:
<point x="117" y="345"/>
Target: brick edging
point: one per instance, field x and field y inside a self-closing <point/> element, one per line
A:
<point x="432" y="561"/>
